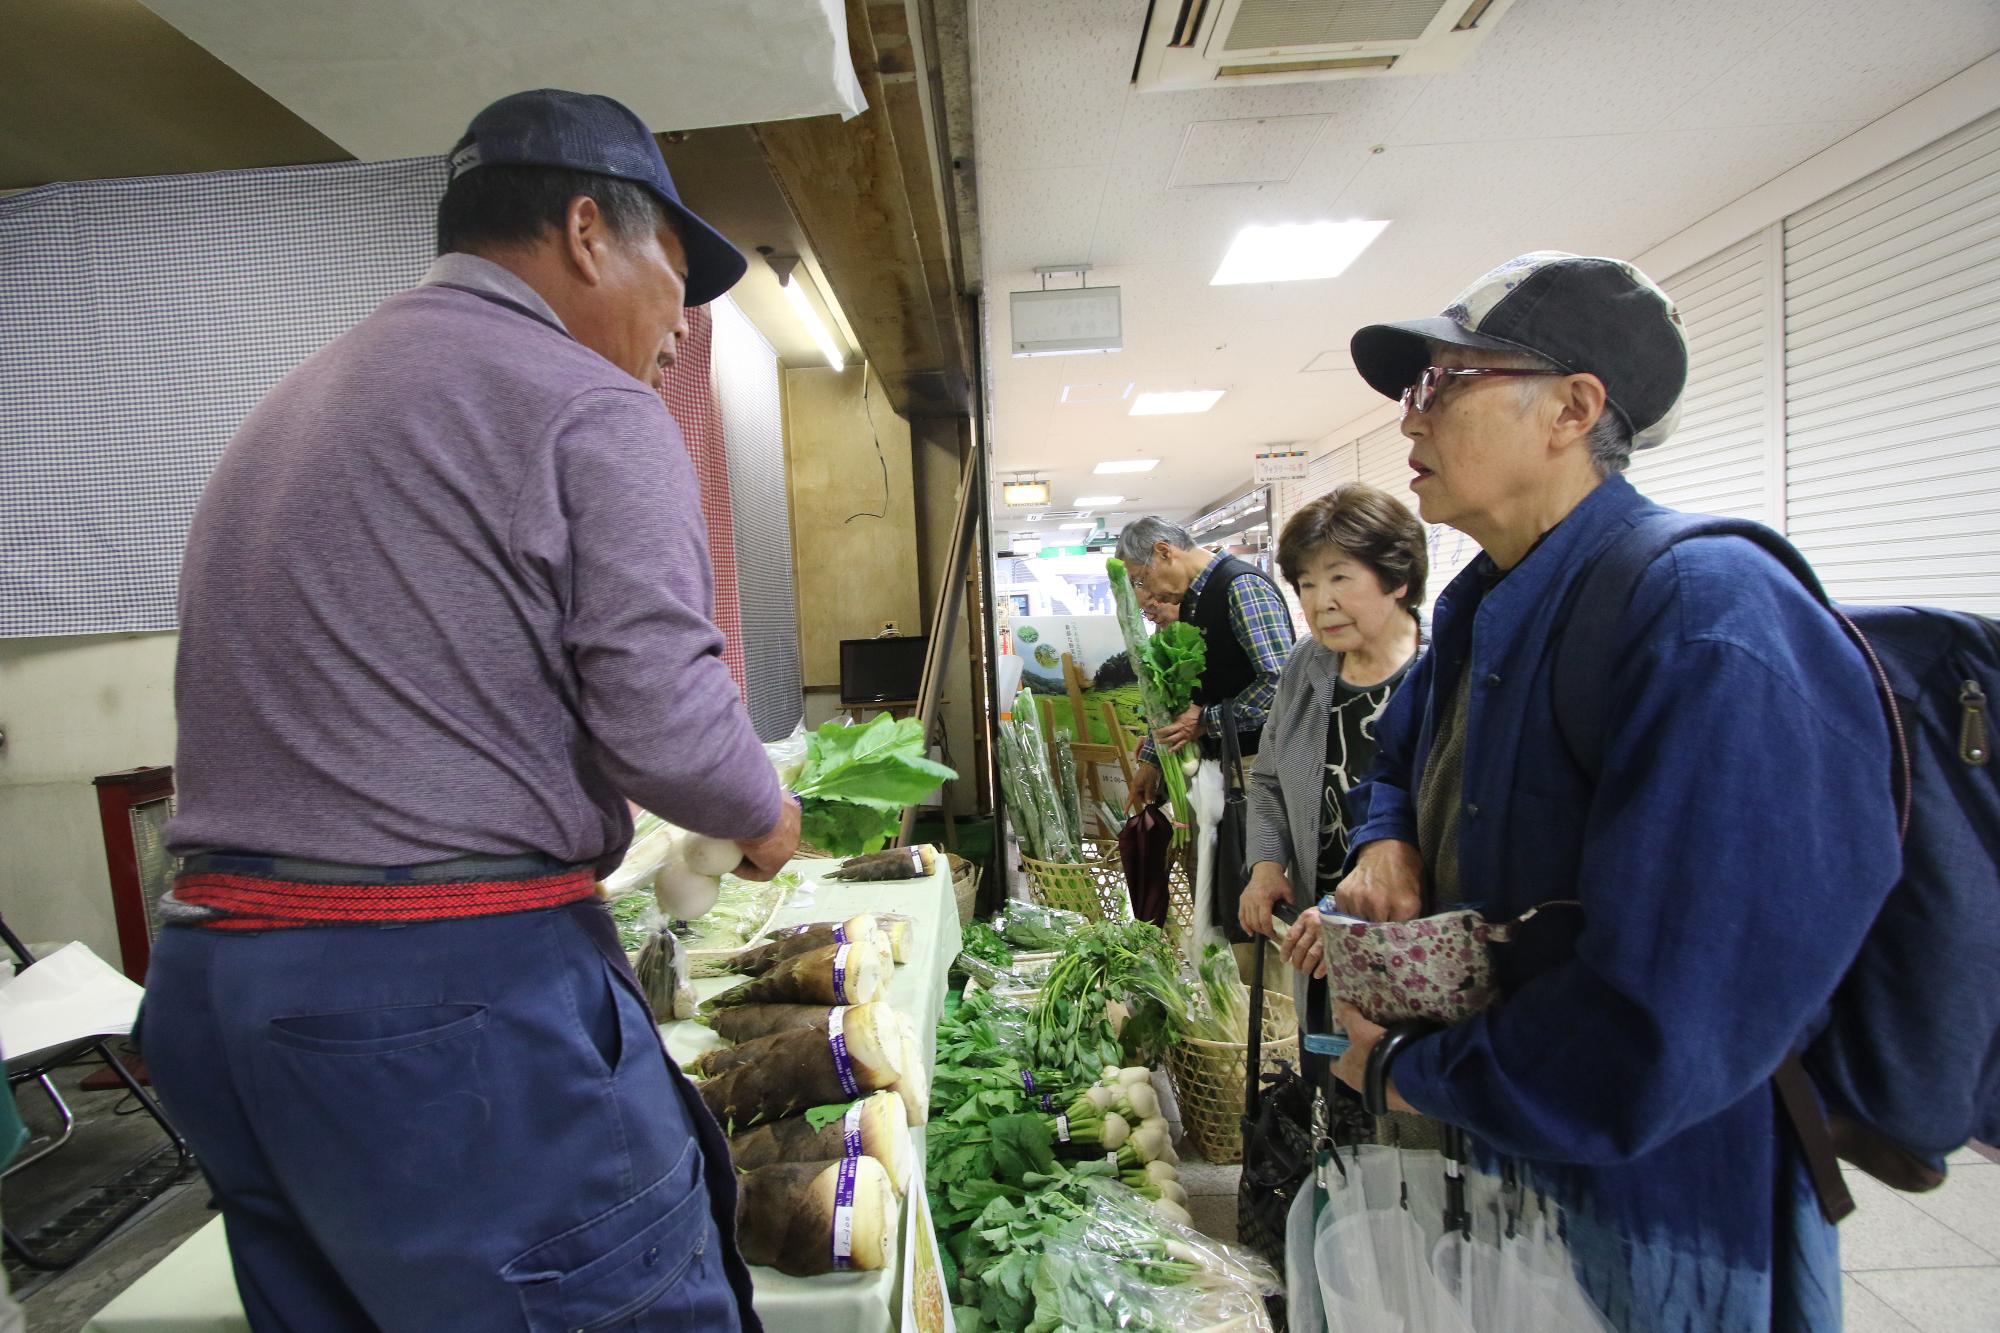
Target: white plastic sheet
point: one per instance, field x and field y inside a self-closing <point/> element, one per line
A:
<point x="1384" y="1263"/>
<point x="65" y="997"/>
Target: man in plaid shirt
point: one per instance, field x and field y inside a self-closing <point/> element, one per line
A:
<point x="1241" y="615"/>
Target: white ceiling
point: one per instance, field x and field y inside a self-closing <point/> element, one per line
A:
<point x="1597" y="126"/>
<point x="400" y="78"/>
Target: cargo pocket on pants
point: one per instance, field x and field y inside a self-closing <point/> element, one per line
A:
<point x="608" y="1272"/>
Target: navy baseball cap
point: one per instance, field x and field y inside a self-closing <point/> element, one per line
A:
<point x="1600" y="317"/>
<point x="589" y="132"/>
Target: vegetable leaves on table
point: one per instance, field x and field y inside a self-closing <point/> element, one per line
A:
<point x="857" y="781"/>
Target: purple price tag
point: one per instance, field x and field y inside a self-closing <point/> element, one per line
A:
<point x="843" y="1214"/>
<point x="840" y="973"/>
<point x="836" y="1040"/>
<point x="851" y="1127"/>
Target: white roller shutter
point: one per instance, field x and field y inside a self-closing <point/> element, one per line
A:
<point x="1892" y="304"/>
<point x="1718" y="461"/>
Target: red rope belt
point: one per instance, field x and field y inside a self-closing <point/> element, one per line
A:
<point x="249" y="903"/>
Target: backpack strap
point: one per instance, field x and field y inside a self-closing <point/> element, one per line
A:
<point x="1587" y="653"/>
<point x="1588" y="649"/>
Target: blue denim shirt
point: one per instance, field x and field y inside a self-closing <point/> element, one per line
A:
<point x="1738" y="843"/>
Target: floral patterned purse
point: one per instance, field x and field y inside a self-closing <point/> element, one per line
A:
<point x="1435" y="968"/>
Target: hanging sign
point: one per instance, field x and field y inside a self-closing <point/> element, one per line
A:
<point x="1280" y="465"/>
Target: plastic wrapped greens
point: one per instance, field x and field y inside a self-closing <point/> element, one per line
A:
<point x="1033" y="789"/>
<point x="1033" y="928"/>
<point x="1127" y="1263"/>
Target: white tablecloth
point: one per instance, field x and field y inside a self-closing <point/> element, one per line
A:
<point x="193" y="1290"/>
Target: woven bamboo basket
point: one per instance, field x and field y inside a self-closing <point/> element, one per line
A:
<point x="1209" y="1078"/>
<point x="964" y="886"/>
<point x="1094" y="888"/>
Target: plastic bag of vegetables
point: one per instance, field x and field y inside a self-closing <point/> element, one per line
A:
<point x="1121" y="1264"/>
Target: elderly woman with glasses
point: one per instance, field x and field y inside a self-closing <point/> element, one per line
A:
<point x="1357" y="560"/>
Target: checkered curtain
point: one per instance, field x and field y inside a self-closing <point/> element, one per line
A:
<point x="140" y="320"/>
<point x="689" y="392"/>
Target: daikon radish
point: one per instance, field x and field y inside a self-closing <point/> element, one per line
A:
<point x="879" y="1121"/>
<point x="757" y="961"/>
<point x="789" y="1217"/>
<point x="749" y="1021"/>
<point x="833" y="974"/>
<point x="808" y="1067"/>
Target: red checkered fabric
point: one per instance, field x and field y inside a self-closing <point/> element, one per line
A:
<point x="690" y="395"/>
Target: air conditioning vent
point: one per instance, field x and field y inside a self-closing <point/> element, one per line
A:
<point x="1199" y="43"/>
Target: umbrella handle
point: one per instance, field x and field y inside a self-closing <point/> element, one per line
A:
<point x="1375" y="1084"/>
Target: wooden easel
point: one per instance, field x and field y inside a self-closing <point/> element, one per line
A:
<point x="1087" y="753"/>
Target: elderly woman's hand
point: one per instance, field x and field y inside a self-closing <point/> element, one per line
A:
<point x="1304" y="945"/>
<point x="1386" y="884"/>
<point x="1266" y="889"/>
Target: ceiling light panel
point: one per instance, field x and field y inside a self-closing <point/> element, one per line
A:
<point x="1117" y="465"/>
<point x="1260" y="150"/>
<point x="1101" y="391"/>
<point x="1175" y="403"/>
<point x="1098" y="501"/>
<point x="1294" y="251"/>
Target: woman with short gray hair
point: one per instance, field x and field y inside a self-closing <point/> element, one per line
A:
<point x="1357" y="559"/>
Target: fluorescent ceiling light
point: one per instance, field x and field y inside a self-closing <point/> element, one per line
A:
<point x="1098" y="501"/>
<point x="1126" y="465"/>
<point x="1103" y="391"/>
<point x="1079" y="527"/>
<point x="1171" y="404"/>
<point x="1295" y="252"/>
<point x="795" y="296"/>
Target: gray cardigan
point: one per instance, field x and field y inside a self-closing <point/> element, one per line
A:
<point x="1288" y="785"/>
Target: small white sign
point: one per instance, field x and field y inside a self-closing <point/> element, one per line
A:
<point x="1285" y="465"/>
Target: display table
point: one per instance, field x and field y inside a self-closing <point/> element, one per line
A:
<point x="193" y="1291"/>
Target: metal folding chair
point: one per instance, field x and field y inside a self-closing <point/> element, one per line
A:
<point x="82" y="1227"/>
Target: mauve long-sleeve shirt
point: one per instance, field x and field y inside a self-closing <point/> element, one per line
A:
<point x="448" y="593"/>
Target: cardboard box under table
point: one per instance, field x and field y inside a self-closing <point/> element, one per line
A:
<point x="193" y="1291"/>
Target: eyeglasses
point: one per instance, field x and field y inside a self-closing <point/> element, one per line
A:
<point x="1424" y="392"/>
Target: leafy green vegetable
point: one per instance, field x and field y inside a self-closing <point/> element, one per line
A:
<point x="819" y="1117"/>
<point x="1174" y="659"/>
<point x="1042" y="816"/>
<point x="1158" y="714"/>
<point x="857" y="781"/>
<point x="981" y="941"/>
<point x="1036" y="928"/>
<point x="633" y="912"/>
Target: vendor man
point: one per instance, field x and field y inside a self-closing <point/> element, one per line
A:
<point x="446" y="606"/>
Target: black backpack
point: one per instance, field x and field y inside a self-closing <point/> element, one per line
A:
<point x="1908" y="1065"/>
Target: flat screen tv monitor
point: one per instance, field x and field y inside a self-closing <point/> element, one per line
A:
<point x="877" y="671"/>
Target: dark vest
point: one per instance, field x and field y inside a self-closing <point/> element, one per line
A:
<point x="1231" y="670"/>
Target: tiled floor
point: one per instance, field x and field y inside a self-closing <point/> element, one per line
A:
<point x="1925" y="1262"/>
